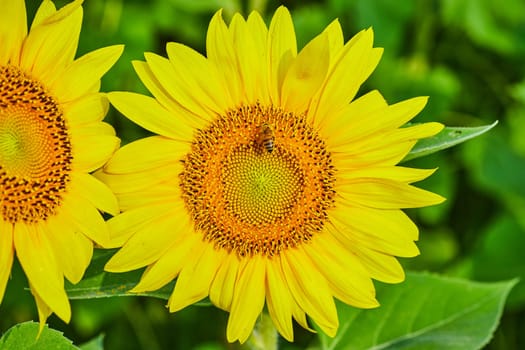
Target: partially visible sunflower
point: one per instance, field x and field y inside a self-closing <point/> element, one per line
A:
<point x="51" y="137"/>
<point x="266" y="186"/>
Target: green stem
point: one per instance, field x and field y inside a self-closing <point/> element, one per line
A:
<point x="264" y="335"/>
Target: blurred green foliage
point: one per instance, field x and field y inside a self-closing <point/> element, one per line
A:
<point x="467" y="55"/>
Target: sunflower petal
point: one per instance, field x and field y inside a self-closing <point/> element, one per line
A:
<point x="248" y="299"/>
<point x="51" y="45"/>
<point x="72" y="249"/>
<point x="150" y="242"/>
<point x="96" y="192"/>
<point x="223" y="285"/>
<point x="221" y="54"/>
<point x="310" y="289"/>
<point x="124" y="225"/>
<point x="88" y="109"/>
<point x="84" y="72"/>
<point x="389" y="194"/>
<point x="282" y="50"/>
<point x="148" y="113"/>
<point x="168" y="266"/>
<point x="13" y="30"/>
<point x="204" y="80"/>
<point x="145" y="154"/>
<point x="87" y="219"/>
<point x="38" y="261"/>
<point x="188" y="289"/>
<point x="6" y="254"/>
<point x="278" y="299"/>
<point x="306" y="74"/>
<point x="346" y="76"/>
<point x="350" y="281"/>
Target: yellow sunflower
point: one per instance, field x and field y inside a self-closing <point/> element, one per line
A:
<point x="265" y="184"/>
<point x="51" y="137"/>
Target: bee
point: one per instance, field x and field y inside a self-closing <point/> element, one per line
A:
<point x="266" y="137"/>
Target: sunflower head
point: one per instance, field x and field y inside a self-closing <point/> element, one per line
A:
<point x="265" y="185"/>
<point x="51" y="137"/>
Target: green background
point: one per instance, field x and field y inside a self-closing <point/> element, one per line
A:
<point x="467" y="55"/>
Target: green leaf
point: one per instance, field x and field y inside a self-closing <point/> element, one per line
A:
<point x="424" y="312"/>
<point x="96" y="343"/>
<point x="23" y="336"/>
<point x="448" y="137"/>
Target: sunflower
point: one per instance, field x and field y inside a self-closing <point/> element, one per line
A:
<point x="265" y="185"/>
<point x="51" y="138"/>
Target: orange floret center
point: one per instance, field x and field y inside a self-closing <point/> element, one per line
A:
<point x="258" y="180"/>
<point x="35" y="149"/>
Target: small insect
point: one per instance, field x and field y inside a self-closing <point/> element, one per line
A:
<point x="266" y="137"/>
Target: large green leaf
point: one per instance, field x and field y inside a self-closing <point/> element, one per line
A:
<point x="23" y="336"/>
<point x="424" y="312"/>
<point x="96" y="343"/>
<point x="448" y="137"/>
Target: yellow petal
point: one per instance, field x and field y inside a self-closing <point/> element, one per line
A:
<point x="96" y="192"/>
<point x="51" y="45"/>
<point x="203" y="79"/>
<point x="278" y="299"/>
<point x="248" y="299"/>
<point x="388" y="194"/>
<point x="162" y="193"/>
<point x="335" y="40"/>
<point x="397" y="173"/>
<point x="151" y="241"/>
<point x="38" y="261"/>
<point x="189" y="289"/>
<point x="359" y="110"/>
<point x="162" y="96"/>
<point x="223" y="285"/>
<point x="13" y="30"/>
<point x="126" y="183"/>
<point x="382" y="267"/>
<point x="43" y="309"/>
<point x="221" y="54"/>
<point x="93" y="152"/>
<point x="382" y="148"/>
<point x="282" y="49"/>
<point x="148" y="113"/>
<point x="84" y="72"/>
<point x="377" y="119"/>
<point x="6" y="254"/>
<point x="347" y="75"/>
<point x="72" y="250"/>
<point x="45" y="10"/>
<point x="305" y="75"/>
<point x="349" y="280"/>
<point x="168" y="78"/>
<point x="310" y="289"/>
<point x="164" y="270"/>
<point x="251" y="63"/>
<point x="88" y="109"/>
<point x="259" y="32"/>
<point x="389" y="231"/>
<point x="147" y="153"/>
<point x="87" y="219"/>
<point x="122" y="226"/>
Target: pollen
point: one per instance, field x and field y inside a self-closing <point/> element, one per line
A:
<point x="248" y="199"/>
<point x="35" y="149"/>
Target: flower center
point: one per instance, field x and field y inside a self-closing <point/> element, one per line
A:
<point x="35" y="150"/>
<point x="258" y="180"/>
